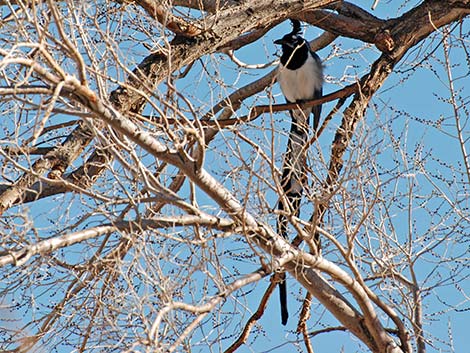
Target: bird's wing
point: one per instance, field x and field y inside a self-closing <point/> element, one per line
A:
<point x="316" y="110"/>
<point x="318" y="93"/>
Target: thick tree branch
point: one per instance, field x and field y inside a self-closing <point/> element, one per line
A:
<point x="228" y="24"/>
<point x="259" y="233"/>
<point x="175" y="24"/>
<point x="419" y="26"/>
<point x="393" y="37"/>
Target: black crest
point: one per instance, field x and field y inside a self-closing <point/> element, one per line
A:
<point x="296" y="28"/>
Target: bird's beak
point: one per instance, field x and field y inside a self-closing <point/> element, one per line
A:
<point x="279" y="41"/>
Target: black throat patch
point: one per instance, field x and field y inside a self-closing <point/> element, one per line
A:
<point x="293" y="58"/>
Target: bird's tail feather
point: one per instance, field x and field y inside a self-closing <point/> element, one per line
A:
<point x="294" y="203"/>
<point x="292" y="182"/>
<point x="283" y="299"/>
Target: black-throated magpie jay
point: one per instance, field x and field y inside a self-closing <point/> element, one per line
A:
<point x="300" y="75"/>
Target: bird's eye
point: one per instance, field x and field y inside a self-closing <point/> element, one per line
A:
<point x="294" y="37"/>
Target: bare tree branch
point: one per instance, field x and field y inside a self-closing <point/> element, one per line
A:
<point x="161" y="225"/>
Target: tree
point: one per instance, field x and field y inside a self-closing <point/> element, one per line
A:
<point x="140" y="175"/>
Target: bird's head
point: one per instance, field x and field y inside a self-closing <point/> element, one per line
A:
<point x="293" y="39"/>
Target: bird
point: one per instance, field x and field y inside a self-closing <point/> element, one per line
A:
<point x="300" y="75"/>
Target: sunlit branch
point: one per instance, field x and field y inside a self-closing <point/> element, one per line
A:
<point x="20" y="257"/>
<point x="174" y="23"/>
<point x="241" y="64"/>
<point x="223" y="197"/>
<point x="200" y="310"/>
<point x="258" y="110"/>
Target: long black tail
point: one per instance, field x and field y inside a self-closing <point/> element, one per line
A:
<point x="294" y="204"/>
<point x="283" y="299"/>
<point x="292" y="182"/>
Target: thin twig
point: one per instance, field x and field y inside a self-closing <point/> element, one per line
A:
<point x="302" y="325"/>
<point x="254" y="318"/>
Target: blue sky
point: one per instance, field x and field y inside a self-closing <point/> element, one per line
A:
<point x="410" y="103"/>
<point x="407" y="107"/>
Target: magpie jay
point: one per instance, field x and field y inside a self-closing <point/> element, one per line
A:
<point x="300" y="75"/>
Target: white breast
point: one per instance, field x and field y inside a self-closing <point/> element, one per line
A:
<point x="300" y="84"/>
